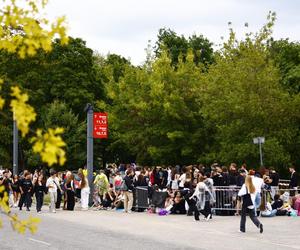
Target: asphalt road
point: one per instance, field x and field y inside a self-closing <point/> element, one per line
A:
<point x="115" y="230"/>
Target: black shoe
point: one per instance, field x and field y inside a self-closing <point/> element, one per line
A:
<point x="28" y="209"/>
<point x="261" y="228"/>
<point x="20" y="208"/>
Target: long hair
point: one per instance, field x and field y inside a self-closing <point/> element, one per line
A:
<point x="83" y="180"/>
<point x="249" y="184"/>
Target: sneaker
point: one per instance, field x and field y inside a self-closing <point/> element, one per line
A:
<point x="129" y="212"/>
<point x="39" y="212"/>
<point x="196" y="220"/>
<point x="28" y="209"/>
<point x="54" y="211"/>
<point x="208" y="217"/>
<point x="241" y="231"/>
<point x="261" y="228"/>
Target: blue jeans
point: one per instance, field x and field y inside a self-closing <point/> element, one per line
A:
<point x="257" y="202"/>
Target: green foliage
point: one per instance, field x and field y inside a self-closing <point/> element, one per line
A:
<point x="178" y="46"/>
<point x="58" y="114"/>
<point x="287" y="56"/>
<point x="175" y="110"/>
<point x="59" y="83"/>
<point x="156" y="113"/>
<point x="244" y="100"/>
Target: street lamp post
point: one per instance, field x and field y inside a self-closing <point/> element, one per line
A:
<point x="15" y="147"/>
<point x="259" y="141"/>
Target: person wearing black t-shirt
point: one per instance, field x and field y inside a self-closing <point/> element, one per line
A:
<point x="294" y="180"/>
<point x="4" y="181"/>
<point x="25" y="188"/>
<point x="39" y="190"/>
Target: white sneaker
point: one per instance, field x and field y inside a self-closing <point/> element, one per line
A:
<point x="54" y="211"/>
<point x="129" y="212"/>
<point x="208" y="217"/>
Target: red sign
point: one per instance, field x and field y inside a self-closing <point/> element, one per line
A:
<point x="100" y="125"/>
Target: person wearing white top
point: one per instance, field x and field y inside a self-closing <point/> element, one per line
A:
<point x="85" y="191"/>
<point x="258" y="184"/>
<point x="249" y="188"/>
<point x="182" y="180"/>
<point x="52" y="190"/>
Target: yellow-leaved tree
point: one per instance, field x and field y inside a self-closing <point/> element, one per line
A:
<point x="24" y="31"/>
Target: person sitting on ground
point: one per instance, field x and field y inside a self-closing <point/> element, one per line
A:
<point x="278" y="204"/>
<point x="119" y="201"/>
<point x="109" y="199"/>
<point x="178" y="204"/>
<point x="266" y="209"/>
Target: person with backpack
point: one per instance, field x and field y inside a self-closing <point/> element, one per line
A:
<point x="248" y="194"/>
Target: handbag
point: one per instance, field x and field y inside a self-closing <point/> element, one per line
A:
<point x="247" y="201"/>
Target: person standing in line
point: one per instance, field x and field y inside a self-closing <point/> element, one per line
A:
<point x="69" y="187"/>
<point x="249" y="188"/>
<point x="294" y="180"/>
<point x="16" y="189"/>
<point x="65" y="178"/>
<point x="6" y="184"/>
<point x="85" y="191"/>
<point x="58" y="181"/>
<point x="274" y="176"/>
<point x="128" y="193"/>
<point x="39" y="190"/>
<point x="101" y="185"/>
<point x="25" y="189"/>
<point x="52" y="190"/>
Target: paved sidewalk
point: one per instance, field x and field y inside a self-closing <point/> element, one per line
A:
<point x="117" y="230"/>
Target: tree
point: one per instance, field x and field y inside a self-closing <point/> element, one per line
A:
<point x="24" y="31"/>
<point x="244" y="99"/>
<point x="178" y="46"/>
<point x="58" y="114"/>
<point x="287" y="56"/>
<point x="67" y="73"/>
<point x="156" y="114"/>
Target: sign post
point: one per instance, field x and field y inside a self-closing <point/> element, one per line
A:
<point x="90" y="149"/>
<point x="97" y="127"/>
<point x="259" y="141"/>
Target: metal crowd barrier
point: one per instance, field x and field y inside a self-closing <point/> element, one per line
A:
<point x="283" y="183"/>
<point x="226" y="199"/>
<point x="228" y="202"/>
<point x="141" y="197"/>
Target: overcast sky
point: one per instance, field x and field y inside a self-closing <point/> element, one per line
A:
<point x="125" y="26"/>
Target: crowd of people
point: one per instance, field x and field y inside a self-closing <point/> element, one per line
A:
<point x="187" y="190"/>
<point x="61" y="186"/>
